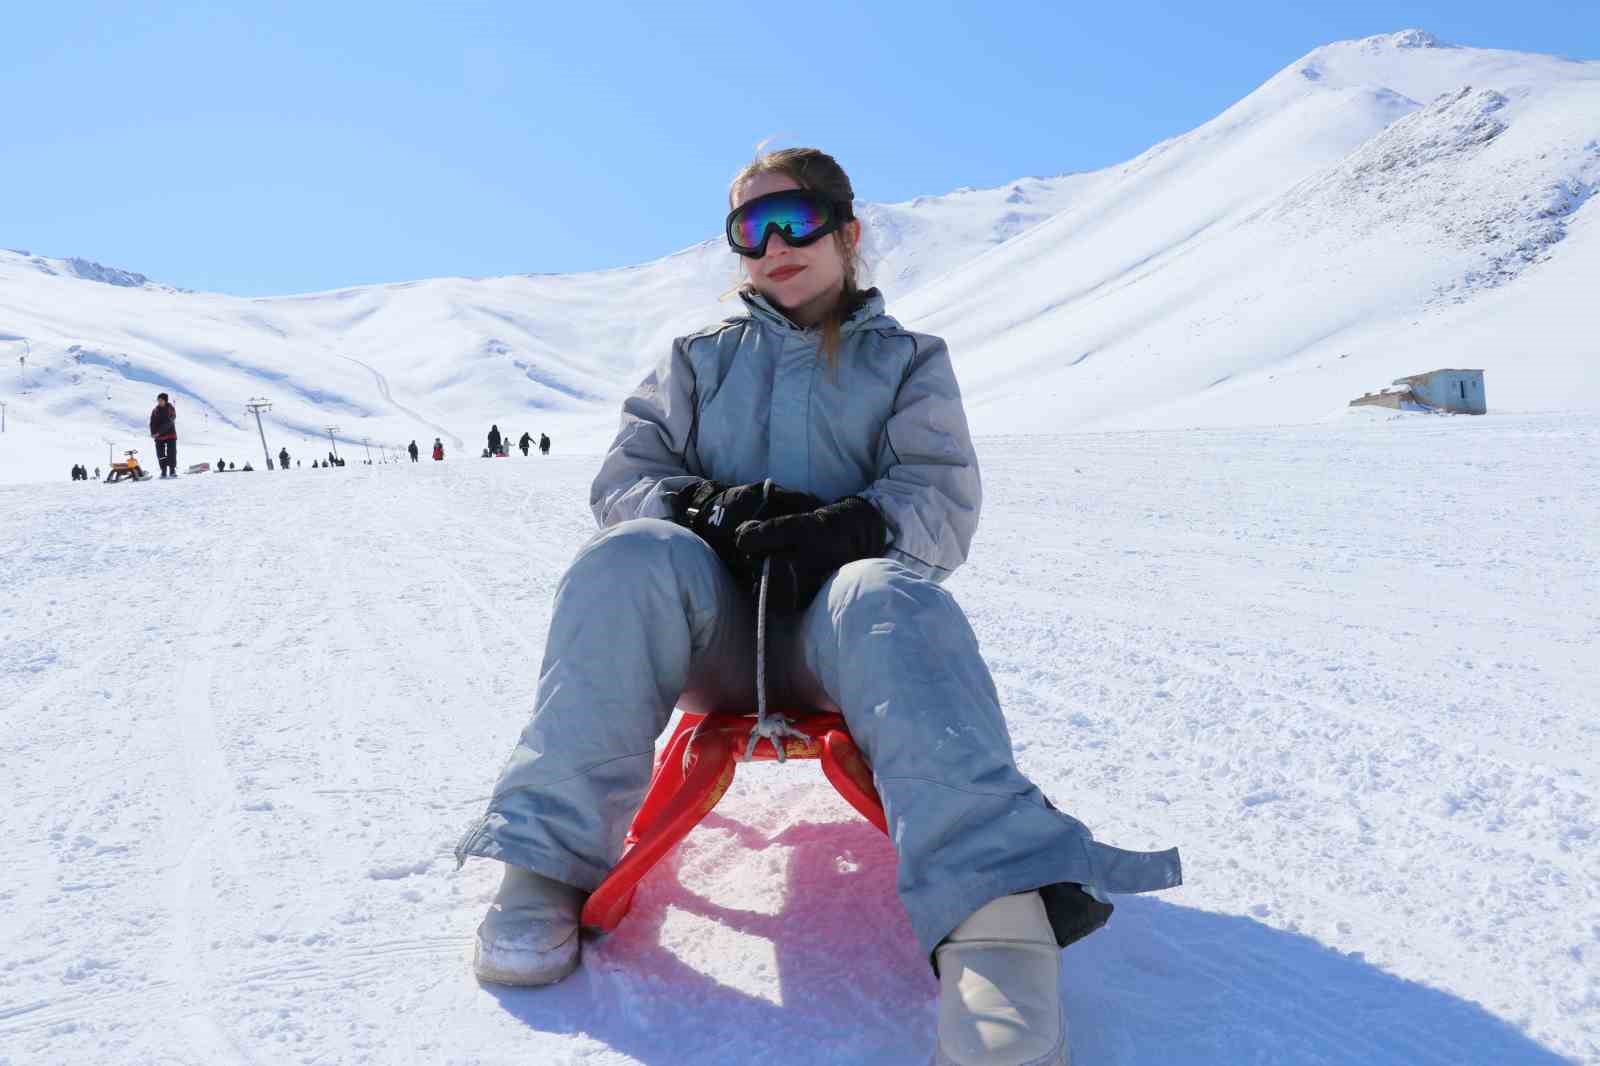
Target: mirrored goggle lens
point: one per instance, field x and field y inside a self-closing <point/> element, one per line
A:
<point x="796" y="217"/>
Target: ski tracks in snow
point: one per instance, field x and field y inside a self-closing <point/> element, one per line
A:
<point x="388" y="398"/>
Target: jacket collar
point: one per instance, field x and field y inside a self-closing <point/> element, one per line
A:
<point x="763" y="310"/>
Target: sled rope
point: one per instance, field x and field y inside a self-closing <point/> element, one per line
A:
<point x="772" y="726"/>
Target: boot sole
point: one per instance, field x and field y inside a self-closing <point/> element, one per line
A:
<point x="1060" y="1055"/>
<point x="561" y="969"/>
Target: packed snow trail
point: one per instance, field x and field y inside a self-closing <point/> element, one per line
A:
<point x="1346" y="668"/>
<point x="388" y="398"/>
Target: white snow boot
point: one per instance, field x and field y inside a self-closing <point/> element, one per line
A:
<point x="530" y="935"/>
<point x="999" y="988"/>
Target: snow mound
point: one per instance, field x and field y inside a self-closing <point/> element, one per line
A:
<point x="1403" y="39"/>
<point x="89" y="270"/>
<point x="1439" y="176"/>
<point x="85" y="269"/>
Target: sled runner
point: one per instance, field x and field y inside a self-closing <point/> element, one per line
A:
<point x="694" y="771"/>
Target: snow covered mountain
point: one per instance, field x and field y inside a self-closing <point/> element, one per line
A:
<point x="445" y="356"/>
<point x="1366" y="210"/>
<point x="1379" y="207"/>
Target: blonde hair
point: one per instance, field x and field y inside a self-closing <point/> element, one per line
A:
<point x="818" y="172"/>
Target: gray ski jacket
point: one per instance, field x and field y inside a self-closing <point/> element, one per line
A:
<point x="753" y="398"/>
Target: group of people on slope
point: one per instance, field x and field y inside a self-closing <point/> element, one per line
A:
<point x="501" y="445"/>
<point x="164" y="431"/>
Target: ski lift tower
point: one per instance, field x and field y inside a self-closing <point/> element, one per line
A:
<point x="331" y="442"/>
<point x="256" y="406"/>
<point x="365" y="445"/>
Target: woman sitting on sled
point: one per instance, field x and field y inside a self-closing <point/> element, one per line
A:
<point x="816" y="432"/>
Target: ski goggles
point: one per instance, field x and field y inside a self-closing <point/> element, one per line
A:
<point x="799" y="216"/>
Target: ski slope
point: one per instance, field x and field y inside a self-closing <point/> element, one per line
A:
<point x="1348" y="668"/>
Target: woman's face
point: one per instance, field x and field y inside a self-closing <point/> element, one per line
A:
<point x="804" y="282"/>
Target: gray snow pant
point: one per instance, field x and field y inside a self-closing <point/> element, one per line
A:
<point x="648" y="617"/>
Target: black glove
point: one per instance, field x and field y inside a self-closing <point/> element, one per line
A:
<point x="715" y="511"/>
<point x="807" y="548"/>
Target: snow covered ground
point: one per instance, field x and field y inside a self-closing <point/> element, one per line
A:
<point x="1348" y="668"/>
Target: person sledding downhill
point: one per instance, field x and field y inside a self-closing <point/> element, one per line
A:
<point x="816" y="439"/>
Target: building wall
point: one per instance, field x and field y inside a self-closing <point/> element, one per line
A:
<point x="1450" y="390"/>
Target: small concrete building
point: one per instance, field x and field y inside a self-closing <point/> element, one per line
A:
<point x="1455" y="391"/>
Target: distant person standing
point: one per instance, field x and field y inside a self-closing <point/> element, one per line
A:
<point x="413" y="451"/>
<point x="494" y="440"/>
<point x="283" y="458"/>
<point x="544" y="444"/>
<point x="438" y="449"/>
<point x="525" y="443"/>
<point x="164" y="430"/>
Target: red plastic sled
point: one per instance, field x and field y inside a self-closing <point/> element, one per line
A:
<point x="694" y="771"/>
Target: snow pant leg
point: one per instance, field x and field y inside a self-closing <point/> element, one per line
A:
<point x="647" y="616"/>
<point x="895" y="654"/>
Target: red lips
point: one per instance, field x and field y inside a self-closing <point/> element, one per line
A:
<point x="785" y="273"/>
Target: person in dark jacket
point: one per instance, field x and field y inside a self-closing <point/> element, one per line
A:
<point x="283" y="458"/>
<point x="164" y="430"/>
<point x="525" y="443"/>
<point x="494" y="440"/>
<point x="413" y="451"/>
<point x="544" y="444"/>
<point x="438" y="449"/>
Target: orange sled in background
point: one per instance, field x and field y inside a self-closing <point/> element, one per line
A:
<point x="128" y="469"/>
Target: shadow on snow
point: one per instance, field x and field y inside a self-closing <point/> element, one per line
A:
<point x="1162" y="984"/>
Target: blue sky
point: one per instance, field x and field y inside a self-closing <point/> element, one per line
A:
<point x="267" y="149"/>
